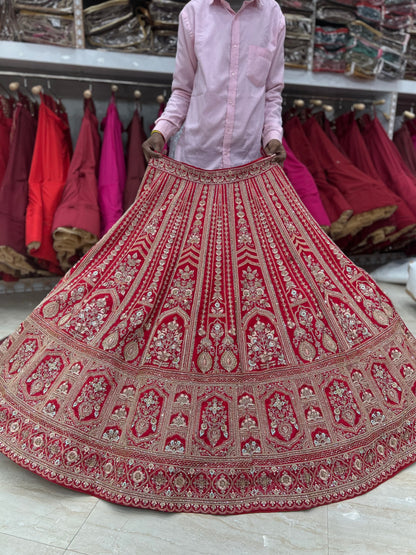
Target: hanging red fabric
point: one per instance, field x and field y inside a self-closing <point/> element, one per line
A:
<point x="76" y="224"/>
<point x="48" y="173"/>
<point x="357" y="187"/>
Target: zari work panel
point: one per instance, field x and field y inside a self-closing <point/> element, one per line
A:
<point x="215" y="352"/>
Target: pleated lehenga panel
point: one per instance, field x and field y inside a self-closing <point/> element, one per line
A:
<point x="215" y="352"/>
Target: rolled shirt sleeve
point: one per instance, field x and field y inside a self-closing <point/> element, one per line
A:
<point x="272" y="128"/>
<point x="183" y="81"/>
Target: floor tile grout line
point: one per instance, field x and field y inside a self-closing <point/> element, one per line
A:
<point x="328" y="548"/>
<point x="82" y="525"/>
<point x="50" y="545"/>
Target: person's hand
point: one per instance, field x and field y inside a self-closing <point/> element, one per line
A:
<point x="153" y="146"/>
<point x="276" y="149"/>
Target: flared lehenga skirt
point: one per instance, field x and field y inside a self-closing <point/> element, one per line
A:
<point x="215" y="352"/>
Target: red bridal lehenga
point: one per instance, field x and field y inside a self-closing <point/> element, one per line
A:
<point x="215" y="352"/>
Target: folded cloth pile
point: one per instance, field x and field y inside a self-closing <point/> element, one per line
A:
<point x="8" y="28"/>
<point x="410" y="72"/>
<point x="164" y="16"/>
<point x="364" y="56"/>
<point x="375" y="42"/>
<point x="45" y="21"/>
<point x="299" y="30"/>
<point x="332" y="40"/>
<point x="397" y="20"/>
<point x="115" y="25"/>
<point x="298" y="40"/>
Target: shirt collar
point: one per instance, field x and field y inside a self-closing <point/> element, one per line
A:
<point x="253" y="2"/>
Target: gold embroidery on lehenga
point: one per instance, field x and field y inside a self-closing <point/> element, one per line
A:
<point x="215" y="353"/>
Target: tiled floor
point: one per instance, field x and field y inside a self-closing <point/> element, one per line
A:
<point x="40" y="518"/>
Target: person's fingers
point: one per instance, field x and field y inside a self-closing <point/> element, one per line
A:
<point x="150" y="153"/>
<point x="153" y="146"/>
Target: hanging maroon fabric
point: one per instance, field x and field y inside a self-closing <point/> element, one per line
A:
<point x="47" y="178"/>
<point x="76" y="224"/>
<point x="402" y="222"/>
<point x="14" y="193"/>
<point x="339" y="210"/>
<point x="404" y="143"/>
<point x="136" y="163"/>
<point x="112" y="169"/>
<point x="411" y="125"/>
<point x="329" y="131"/>
<point x="369" y="201"/>
<point x="305" y="186"/>
<point x="387" y="161"/>
<point x="5" y="127"/>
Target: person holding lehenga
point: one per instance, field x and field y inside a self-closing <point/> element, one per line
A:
<point x="215" y="351"/>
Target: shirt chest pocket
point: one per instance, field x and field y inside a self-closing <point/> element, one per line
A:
<point x="258" y="65"/>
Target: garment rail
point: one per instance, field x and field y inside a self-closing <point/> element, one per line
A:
<point x="81" y="79"/>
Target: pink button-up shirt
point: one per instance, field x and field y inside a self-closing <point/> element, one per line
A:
<point x="227" y="83"/>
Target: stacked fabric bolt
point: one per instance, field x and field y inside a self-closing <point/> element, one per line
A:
<point x="8" y="27"/>
<point x="397" y="19"/>
<point x="165" y="20"/>
<point x="299" y="27"/>
<point x="45" y="21"/>
<point x="380" y="38"/>
<point x="410" y="72"/>
<point x="366" y="39"/>
<point x="332" y="35"/>
<point x="364" y="56"/>
<point x="115" y="25"/>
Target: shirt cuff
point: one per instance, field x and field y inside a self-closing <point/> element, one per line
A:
<point x="272" y="134"/>
<point x="166" y="128"/>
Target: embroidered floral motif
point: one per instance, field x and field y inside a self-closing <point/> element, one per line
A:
<point x="89" y="402"/>
<point x="22" y="356"/>
<point x="214" y="421"/>
<point x="90" y="319"/>
<point x="263" y="346"/>
<point x="281" y="416"/>
<point x="353" y="328"/>
<point x="182" y="289"/>
<point x="390" y="389"/>
<point x="252" y="289"/>
<point x="147" y="413"/>
<point x="45" y="374"/>
<point x="166" y="346"/>
<point x="343" y="404"/>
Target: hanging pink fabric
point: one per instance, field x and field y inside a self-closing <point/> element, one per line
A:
<point x="112" y="169"/>
<point x="76" y="225"/>
<point x="305" y="186"/>
<point x="136" y="163"/>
